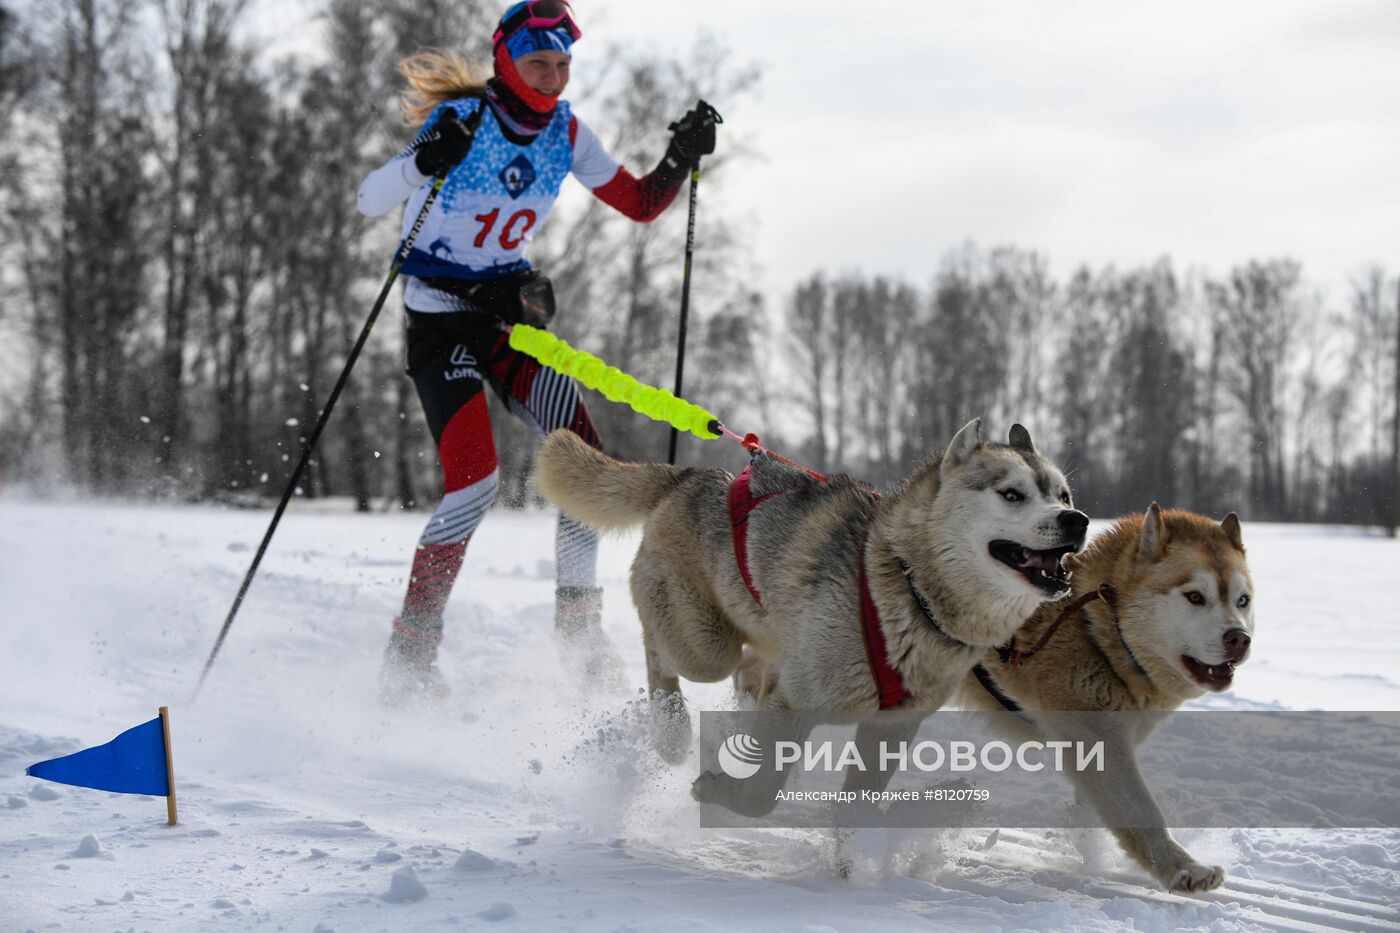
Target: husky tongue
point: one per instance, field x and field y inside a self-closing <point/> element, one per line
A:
<point x="1043" y="561"/>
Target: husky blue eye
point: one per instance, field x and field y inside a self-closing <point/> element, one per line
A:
<point x="1243" y="600"/>
<point x="1011" y="495"/>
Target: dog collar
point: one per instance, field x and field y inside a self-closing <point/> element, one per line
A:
<point x="908" y="571"/>
<point x="1123" y="642"/>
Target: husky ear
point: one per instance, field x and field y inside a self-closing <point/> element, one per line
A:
<point x="961" y="447"/>
<point x="1020" y="438"/>
<point x="1231" y="526"/>
<point x="1153" y="537"/>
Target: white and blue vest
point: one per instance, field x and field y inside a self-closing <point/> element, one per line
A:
<point x="492" y="202"/>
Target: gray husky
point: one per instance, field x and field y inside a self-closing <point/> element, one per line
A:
<point x="839" y="599"/>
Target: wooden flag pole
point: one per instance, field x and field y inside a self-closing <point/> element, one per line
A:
<point x="169" y="765"/>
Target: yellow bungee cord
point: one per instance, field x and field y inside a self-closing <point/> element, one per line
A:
<point x="613" y="383"/>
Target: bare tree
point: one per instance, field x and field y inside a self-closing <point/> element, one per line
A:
<point x="879" y="367"/>
<point x="19" y="221"/>
<point x="1157" y="388"/>
<point x="1019" y="297"/>
<point x="1395" y="427"/>
<point x="962" y="355"/>
<point x="1260" y="309"/>
<point x="231" y="251"/>
<point x="810" y="313"/>
<point x="88" y="290"/>
<point x="1306" y="403"/>
<point x="17" y="65"/>
<point x="1081" y="397"/>
<point x="457" y="24"/>
<point x="197" y="39"/>
<point x="1337" y="404"/>
<point x="1370" y="331"/>
<point x="847" y="313"/>
<point x="1209" y="487"/>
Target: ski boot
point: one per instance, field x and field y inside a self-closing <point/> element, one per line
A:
<point x="409" y="675"/>
<point x="578" y="621"/>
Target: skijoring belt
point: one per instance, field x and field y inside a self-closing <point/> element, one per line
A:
<point x="525" y="297"/>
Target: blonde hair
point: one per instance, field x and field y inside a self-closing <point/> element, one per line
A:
<point x="434" y="76"/>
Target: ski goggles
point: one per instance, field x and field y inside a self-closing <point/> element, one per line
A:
<point x="537" y="14"/>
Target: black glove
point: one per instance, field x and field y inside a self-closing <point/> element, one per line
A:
<point x="694" y="134"/>
<point x="448" y="141"/>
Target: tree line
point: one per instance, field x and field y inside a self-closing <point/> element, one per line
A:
<point x="1242" y="392"/>
<point x="183" y="269"/>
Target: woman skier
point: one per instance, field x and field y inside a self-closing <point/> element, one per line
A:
<point x="503" y="147"/>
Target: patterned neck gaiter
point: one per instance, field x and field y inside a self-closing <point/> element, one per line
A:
<point x="520" y="107"/>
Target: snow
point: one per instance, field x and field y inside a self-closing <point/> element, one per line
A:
<point x="532" y="801"/>
<point x="405" y="886"/>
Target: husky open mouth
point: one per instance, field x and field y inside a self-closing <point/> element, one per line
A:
<point x="1212" y="676"/>
<point x="1044" y="570"/>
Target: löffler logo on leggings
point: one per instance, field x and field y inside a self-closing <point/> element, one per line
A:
<point x="465" y="365"/>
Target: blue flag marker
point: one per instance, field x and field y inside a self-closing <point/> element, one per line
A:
<point x="136" y="762"/>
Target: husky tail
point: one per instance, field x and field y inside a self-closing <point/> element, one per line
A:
<point x="596" y="489"/>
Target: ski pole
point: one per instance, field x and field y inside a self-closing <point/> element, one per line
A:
<point x="470" y="126"/>
<point x="706" y="113"/>
<point x="685" y="300"/>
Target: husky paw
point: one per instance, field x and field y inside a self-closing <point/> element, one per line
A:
<point x="843" y="864"/>
<point x="709" y="788"/>
<point x="724" y="791"/>
<point x="1195" y="878"/>
<point x="719" y="790"/>
<point x="670" y="727"/>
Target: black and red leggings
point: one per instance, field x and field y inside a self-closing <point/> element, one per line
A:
<point x="451" y="356"/>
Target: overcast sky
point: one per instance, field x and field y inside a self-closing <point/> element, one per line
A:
<point x="1091" y="131"/>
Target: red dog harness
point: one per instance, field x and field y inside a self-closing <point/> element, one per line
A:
<point x="889" y="685"/>
<point x="741" y="503"/>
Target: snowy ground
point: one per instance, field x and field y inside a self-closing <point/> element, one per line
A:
<point x="529" y="802"/>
